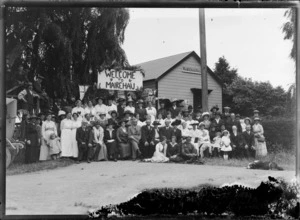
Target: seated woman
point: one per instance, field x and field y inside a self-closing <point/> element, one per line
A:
<point x="97" y="140"/>
<point x="160" y="154"/>
<point x="173" y="148"/>
<point x="123" y="141"/>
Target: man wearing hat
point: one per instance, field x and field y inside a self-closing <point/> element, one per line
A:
<point x="188" y="151"/>
<point x="163" y="111"/>
<point x="134" y="135"/>
<point x="110" y="107"/>
<point x="141" y="110"/>
<point x="100" y="107"/>
<point x="174" y="109"/>
<point x="130" y="106"/>
<point x="148" y="139"/>
<point x="121" y="106"/>
<point x="26" y="97"/>
<point x="176" y="132"/>
<point x="82" y="138"/>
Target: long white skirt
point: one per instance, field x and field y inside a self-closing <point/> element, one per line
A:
<point x="69" y="147"/>
<point x="158" y="157"/>
<point x="44" y="153"/>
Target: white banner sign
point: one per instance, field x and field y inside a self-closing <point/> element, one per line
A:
<point x="120" y="80"/>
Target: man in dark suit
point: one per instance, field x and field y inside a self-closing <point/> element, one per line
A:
<point x="248" y="139"/>
<point x="82" y="138"/>
<point x="121" y="107"/>
<point x="167" y="131"/>
<point x="176" y="132"/>
<point x="147" y="140"/>
<point x="141" y="111"/>
<point x="174" y="109"/>
<point x="233" y="121"/>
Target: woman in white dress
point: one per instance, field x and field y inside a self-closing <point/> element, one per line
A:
<point x="259" y="139"/>
<point x="90" y="109"/>
<point x="66" y="127"/>
<point x="160" y="154"/>
<point x="48" y="128"/>
<point x="151" y="111"/>
<point x="79" y="110"/>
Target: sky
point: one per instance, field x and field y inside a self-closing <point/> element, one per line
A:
<point x="250" y="39"/>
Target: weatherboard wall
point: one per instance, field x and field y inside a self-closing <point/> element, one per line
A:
<point x="178" y="84"/>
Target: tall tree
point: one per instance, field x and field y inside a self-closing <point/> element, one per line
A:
<point x="288" y="29"/>
<point x="68" y="46"/>
<point x="227" y="75"/>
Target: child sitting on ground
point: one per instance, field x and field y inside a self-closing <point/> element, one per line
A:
<point x="225" y="144"/>
<point x="216" y="144"/>
<point x="54" y="146"/>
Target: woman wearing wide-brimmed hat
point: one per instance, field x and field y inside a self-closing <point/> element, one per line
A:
<point x="123" y="141"/>
<point x="259" y="139"/>
<point x="213" y="112"/>
<point x="114" y="119"/>
<point x="48" y="128"/>
<point x="98" y="142"/>
<point x="205" y="120"/>
<point x="32" y="151"/>
<point x="100" y="107"/>
<point x="174" y="109"/>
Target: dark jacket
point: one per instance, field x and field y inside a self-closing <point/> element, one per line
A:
<point x="235" y="122"/>
<point x="163" y="112"/>
<point x="174" y="112"/>
<point x="114" y="122"/>
<point x="216" y="124"/>
<point x="120" y="111"/>
<point x="173" y="150"/>
<point x="248" y="139"/>
<point x="166" y="132"/>
<point x="108" y="137"/>
<point x="178" y="135"/>
<point x="142" y="112"/>
<point x="147" y="134"/>
<point x="82" y="136"/>
<point x="236" y="140"/>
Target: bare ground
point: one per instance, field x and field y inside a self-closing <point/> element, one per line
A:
<point x="80" y="187"/>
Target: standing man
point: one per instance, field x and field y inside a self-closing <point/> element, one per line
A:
<point x="217" y="122"/>
<point x="134" y="135"/>
<point x="141" y="110"/>
<point x="26" y="97"/>
<point x="147" y="140"/>
<point x="162" y="110"/>
<point x="82" y="138"/>
<point x="121" y="106"/>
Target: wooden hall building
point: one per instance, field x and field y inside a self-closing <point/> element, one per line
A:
<point x="179" y="76"/>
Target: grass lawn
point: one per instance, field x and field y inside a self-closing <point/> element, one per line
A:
<point x="18" y="168"/>
<point x="286" y="160"/>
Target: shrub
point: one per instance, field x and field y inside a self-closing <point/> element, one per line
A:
<point x="279" y="134"/>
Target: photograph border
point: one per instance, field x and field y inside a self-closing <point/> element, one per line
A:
<point x="128" y="4"/>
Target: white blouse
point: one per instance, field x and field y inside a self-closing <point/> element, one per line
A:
<point x="98" y="135"/>
<point x="48" y="125"/>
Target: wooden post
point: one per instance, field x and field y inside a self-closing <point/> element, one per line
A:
<point x="2" y="114"/>
<point x="203" y="59"/>
<point x="297" y="35"/>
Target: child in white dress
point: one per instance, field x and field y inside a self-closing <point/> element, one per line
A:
<point x="225" y="144"/>
<point x="54" y="146"/>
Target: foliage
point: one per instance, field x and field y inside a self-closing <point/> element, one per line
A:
<point x="280" y="134"/>
<point x="68" y="46"/>
<point x="288" y="29"/>
<point x="248" y="95"/>
<point x="269" y="198"/>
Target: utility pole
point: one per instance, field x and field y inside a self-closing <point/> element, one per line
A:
<point x="203" y="59"/>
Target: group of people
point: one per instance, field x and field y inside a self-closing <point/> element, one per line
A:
<point x="125" y="129"/>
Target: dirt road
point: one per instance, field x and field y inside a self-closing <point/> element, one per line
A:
<point x="80" y="187"/>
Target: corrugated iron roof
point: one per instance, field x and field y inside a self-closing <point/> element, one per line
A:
<point x="155" y="68"/>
